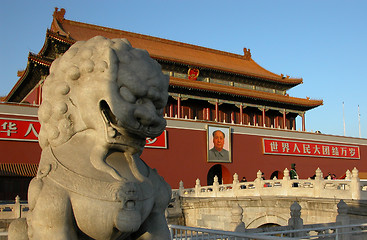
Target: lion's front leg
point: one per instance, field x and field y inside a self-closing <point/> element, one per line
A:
<point x="153" y="228"/>
<point x="52" y="216"/>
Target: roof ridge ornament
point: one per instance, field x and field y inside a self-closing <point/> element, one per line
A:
<point x="59" y="15"/>
<point x="246" y="54"/>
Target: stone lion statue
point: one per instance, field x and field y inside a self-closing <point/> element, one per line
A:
<point x="101" y="100"/>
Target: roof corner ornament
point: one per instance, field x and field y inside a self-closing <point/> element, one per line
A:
<point x="246" y="54"/>
<point x="59" y="15"/>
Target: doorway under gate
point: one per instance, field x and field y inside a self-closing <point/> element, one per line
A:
<point x="223" y="174"/>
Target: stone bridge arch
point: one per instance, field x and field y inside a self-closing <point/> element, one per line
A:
<point x="217" y="212"/>
<point x="267" y="219"/>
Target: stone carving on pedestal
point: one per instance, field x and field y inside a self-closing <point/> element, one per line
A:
<point x="101" y="100"/>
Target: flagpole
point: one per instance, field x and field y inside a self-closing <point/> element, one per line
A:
<point x="343" y="119"/>
<point x="359" y="122"/>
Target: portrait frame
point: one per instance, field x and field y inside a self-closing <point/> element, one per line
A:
<point x="210" y="129"/>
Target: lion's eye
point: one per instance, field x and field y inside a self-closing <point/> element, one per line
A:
<point x="139" y="101"/>
<point x="127" y="95"/>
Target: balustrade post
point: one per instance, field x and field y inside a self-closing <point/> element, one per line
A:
<point x="318" y="183"/>
<point x="355" y="185"/>
<point x="348" y="175"/>
<point x="235" y="184"/>
<point x="258" y="183"/>
<point x="17" y="208"/>
<point x="216" y="185"/>
<point x="197" y="187"/>
<point x="296" y="222"/>
<point x="343" y="219"/>
<point x="286" y="174"/>
<point x="259" y="175"/>
<point x="319" y="174"/>
<point x="181" y="188"/>
<point x="286" y="185"/>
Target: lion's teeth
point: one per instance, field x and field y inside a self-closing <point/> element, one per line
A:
<point x="130" y="204"/>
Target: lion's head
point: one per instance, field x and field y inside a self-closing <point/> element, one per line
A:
<point x="107" y="86"/>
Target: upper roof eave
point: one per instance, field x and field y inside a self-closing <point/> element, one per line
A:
<point x="54" y="36"/>
<point x="309" y="103"/>
<point x="172" y="50"/>
<point x="291" y="81"/>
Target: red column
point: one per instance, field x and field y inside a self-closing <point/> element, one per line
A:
<point x="178" y="107"/>
<point x="216" y="111"/>
<point x="284" y="120"/>
<point x="303" y="122"/>
<point x="40" y="89"/>
<point x="241" y="114"/>
<point x="171" y="110"/>
<point x="264" y="117"/>
<point x="39" y="95"/>
<point x="255" y="119"/>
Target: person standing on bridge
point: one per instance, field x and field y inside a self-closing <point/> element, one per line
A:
<point x="293" y="173"/>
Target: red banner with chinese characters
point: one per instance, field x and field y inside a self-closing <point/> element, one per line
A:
<point x="27" y="130"/>
<point x="158" y="142"/>
<point x="309" y="149"/>
<point x="19" y="129"/>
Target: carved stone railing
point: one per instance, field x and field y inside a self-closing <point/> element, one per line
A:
<point x="349" y="188"/>
<point x="343" y="229"/>
<point x="314" y="231"/>
<point x="13" y="210"/>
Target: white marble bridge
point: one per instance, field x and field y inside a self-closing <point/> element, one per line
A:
<point x="352" y="187"/>
<point x="264" y="203"/>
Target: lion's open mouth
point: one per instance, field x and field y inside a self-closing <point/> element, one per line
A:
<point x="136" y="129"/>
<point x="123" y="135"/>
<point x="107" y="113"/>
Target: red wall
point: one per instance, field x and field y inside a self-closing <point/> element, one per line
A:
<point x="19" y="152"/>
<point x="34" y="96"/>
<point x="185" y="159"/>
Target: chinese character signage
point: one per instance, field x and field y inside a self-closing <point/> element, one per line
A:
<point x="19" y="129"/>
<point x="158" y="142"/>
<point x="310" y="149"/>
<point x="27" y="130"/>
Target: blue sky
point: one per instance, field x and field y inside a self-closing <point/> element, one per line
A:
<point x="323" y="42"/>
